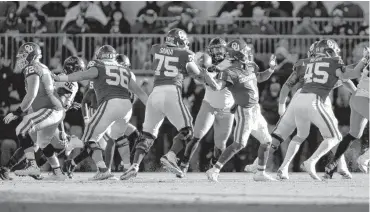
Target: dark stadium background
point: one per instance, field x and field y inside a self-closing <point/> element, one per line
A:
<point x="283" y="28"/>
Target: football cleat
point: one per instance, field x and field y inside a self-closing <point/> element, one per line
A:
<point x="363" y="164"/>
<point x="130" y="173"/>
<point x="310" y="169"/>
<point x="345" y="174"/>
<point x="184" y="168"/>
<point x="30" y="169"/>
<point x="170" y="163"/>
<point x="282" y="175"/>
<point x="101" y="176"/>
<point x="4" y="173"/>
<point x="262" y="176"/>
<point x="57" y="175"/>
<point x="69" y="168"/>
<point x="212" y="174"/>
<point x="329" y="170"/>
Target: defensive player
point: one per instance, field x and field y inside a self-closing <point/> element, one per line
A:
<point x="171" y="62"/>
<point x="320" y="78"/>
<point x="123" y="143"/>
<point x="240" y="76"/>
<point x="215" y="110"/>
<point x="112" y="85"/>
<point x="45" y="110"/>
<point x="61" y="142"/>
<point x="359" y="104"/>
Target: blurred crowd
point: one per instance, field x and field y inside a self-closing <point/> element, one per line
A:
<point x="243" y="18"/>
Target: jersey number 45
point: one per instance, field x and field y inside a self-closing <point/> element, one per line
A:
<point x="314" y="73"/>
<point x="164" y="64"/>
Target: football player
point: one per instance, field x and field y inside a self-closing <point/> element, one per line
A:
<point x="61" y="142"/>
<point x="320" y="78"/>
<point x="215" y="110"/>
<point x="239" y="74"/>
<point x="171" y="62"/>
<point x="112" y="85"/>
<point x="44" y="108"/>
<point x="359" y="104"/>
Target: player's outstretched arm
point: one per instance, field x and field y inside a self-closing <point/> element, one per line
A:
<point x="350" y="86"/>
<point x="90" y="74"/>
<point x="356" y="72"/>
<point x="265" y="75"/>
<point x="285" y="90"/>
<point x="135" y="88"/>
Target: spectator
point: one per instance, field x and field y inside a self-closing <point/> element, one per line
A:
<point x="149" y="5"/>
<point x="147" y="23"/>
<point x="12" y="24"/>
<point x="8" y="6"/>
<point x="307" y="26"/>
<point x="350" y="9"/>
<point x="186" y="22"/>
<point x="225" y="25"/>
<point x="276" y="10"/>
<point x="363" y="29"/>
<point x="173" y="8"/>
<point x="85" y="15"/>
<point x="27" y="10"/>
<point x="240" y="8"/>
<point x="107" y="8"/>
<point x="313" y="9"/>
<point x="54" y="9"/>
<point x="338" y="26"/>
<point x="285" y="61"/>
<point x="259" y="24"/>
<point x="118" y="23"/>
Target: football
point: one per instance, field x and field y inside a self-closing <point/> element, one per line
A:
<point x="203" y="60"/>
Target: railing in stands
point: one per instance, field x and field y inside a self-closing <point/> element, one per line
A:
<point x="282" y="25"/>
<point x="137" y="46"/>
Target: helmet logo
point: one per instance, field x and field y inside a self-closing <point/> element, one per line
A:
<point x="235" y="46"/>
<point x="182" y="35"/>
<point x="330" y="44"/>
<point x="28" y="48"/>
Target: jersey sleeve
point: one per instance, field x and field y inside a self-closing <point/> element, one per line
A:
<point x="189" y="56"/>
<point x="338" y="63"/>
<point x="30" y="70"/>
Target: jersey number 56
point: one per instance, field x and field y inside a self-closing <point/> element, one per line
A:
<point x="318" y="75"/>
<point x="119" y="76"/>
<point x="164" y="62"/>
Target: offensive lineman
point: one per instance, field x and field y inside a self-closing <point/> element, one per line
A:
<point x="112" y="84"/>
<point x="171" y="62"/>
<point x="359" y="104"/>
<point x="44" y="108"/>
<point x="215" y="110"/>
<point x="240" y="76"/>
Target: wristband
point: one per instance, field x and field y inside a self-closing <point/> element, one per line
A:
<point x="18" y="112"/>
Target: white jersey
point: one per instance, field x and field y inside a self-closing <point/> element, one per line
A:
<point x="222" y="99"/>
<point x="68" y="90"/>
<point x="363" y="85"/>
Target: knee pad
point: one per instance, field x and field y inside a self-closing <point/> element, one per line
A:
<point x="121" y="142"/>
<point x="25" y="141"/>
<point x="48" y="150"/>
<point x="145" y="142"/>
<point x="185" y="134"/>
<point x="133" y="136"/>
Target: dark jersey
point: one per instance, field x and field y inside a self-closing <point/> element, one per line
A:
<point x="169" y="64"/>
<point x="47" y="96"/>
<point x="112" y="81"/>
<point x="242" y="83"/>
<point x="297" y="76"/>
<point x="320" y="76"/>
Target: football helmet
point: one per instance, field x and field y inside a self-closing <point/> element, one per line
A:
<point x="217" y="49"/>
<point x="327" y="48"/>
<point x="178" y="38"/>
<point x="240" y="51"/>
<point x="73" y="64"/>
<point x="123" y="60"/>
<point x="27" y="54"/>
<point x="106" y="52"/>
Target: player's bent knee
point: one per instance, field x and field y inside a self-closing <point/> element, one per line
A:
<point x="92" y="145"/>
<point x="48" y="150"/>
<point x="238" y="146"/>
<point x="221" y="145"/>
<point x="25" y="141"/>
<point x="145" y="142"/>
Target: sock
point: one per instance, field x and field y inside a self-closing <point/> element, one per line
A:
<point x="190" y="149"/>
<point x="218" y="166"/>
<point x="16" y="158"/>
<point x="171" y="154"/>
<point x="216" y="154"/>
<point x="291" y="152"/>
<point x="325" y="146"/>
<point x="109" y="151"/>
<point x="263" y="154"/>
<point x="124" y="152"/>
<point x="42" y="161"/>
<point x="343" y="146"/>
<point x="80" y="157"/>
<point x="342" y="165"/>
<point x="178" y="144"/>
<point x="139" y="156"/>
<point x="53" y="161"/>
<point x="229" y="152"/>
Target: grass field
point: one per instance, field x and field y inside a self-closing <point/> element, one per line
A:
<point x="162" y="192"/>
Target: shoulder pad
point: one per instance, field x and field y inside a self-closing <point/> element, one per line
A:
<point x="93" y="63"/>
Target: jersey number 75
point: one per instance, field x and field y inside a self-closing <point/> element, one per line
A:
<point x="164" y="64"/>
<point x="314" y="73"/>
